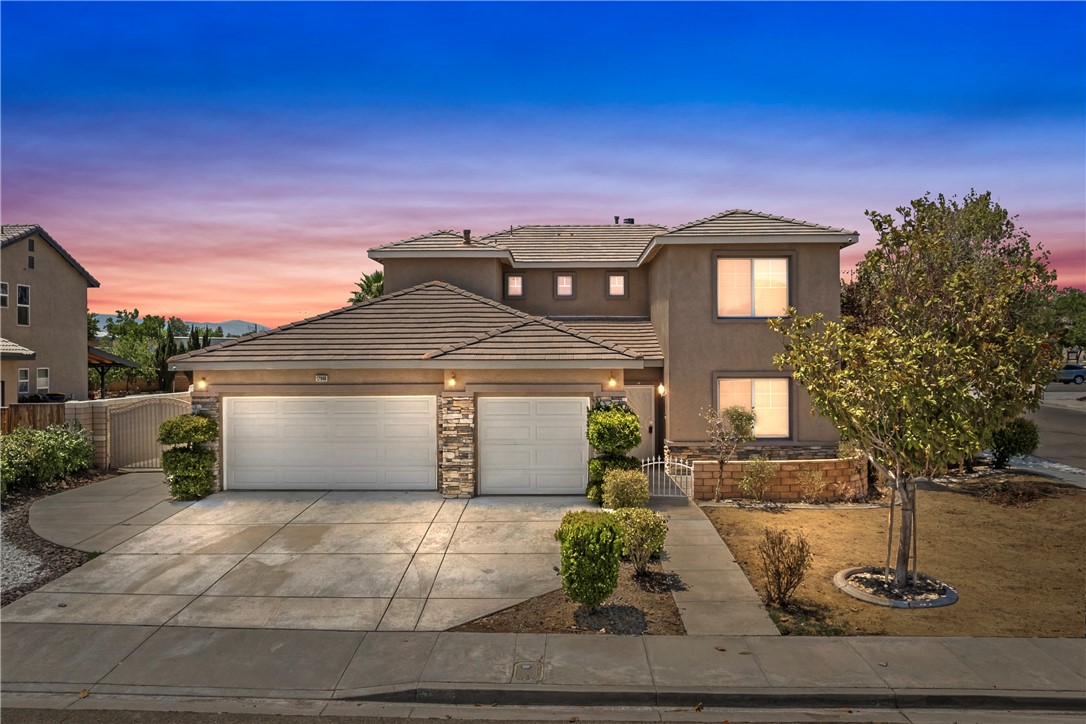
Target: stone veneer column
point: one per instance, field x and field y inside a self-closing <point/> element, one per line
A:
<point x="456" y="443"/>
<point x="209" y="404"/>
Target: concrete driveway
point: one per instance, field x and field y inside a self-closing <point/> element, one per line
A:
<point x="355" y="561"/>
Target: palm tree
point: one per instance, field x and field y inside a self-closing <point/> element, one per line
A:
<point x="370" y="286"/>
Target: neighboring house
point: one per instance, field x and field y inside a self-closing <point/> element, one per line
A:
<point x="472" y="374"/>
<point x="43" y="308"/>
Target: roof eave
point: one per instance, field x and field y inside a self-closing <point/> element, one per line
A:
<point x="378" y="255"/>
<point x="91" y="281"/>
<point x="435" y="364"/>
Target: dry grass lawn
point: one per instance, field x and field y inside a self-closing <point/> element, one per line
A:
<point x="1018" y="570"/>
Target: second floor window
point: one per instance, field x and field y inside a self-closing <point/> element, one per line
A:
<point x="514" y="286"/>
<point x="751" y="287"/>
<point x="24" y="380"/>
<point x="563" y="286"/>
<point x="3" y="294"/>
<point x="616" y="284"/>
<point x="43" y="379"/>
<point x="22" y="301"/>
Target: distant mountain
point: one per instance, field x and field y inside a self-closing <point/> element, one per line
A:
<point x="229" y="327"/>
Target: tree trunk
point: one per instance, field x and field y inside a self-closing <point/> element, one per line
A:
<point x="907" y="490"/>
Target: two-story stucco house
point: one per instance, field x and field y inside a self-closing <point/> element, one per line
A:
<point x="471" y="375"/>
<point x="43" y="316"/>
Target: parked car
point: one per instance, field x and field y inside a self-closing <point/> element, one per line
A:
<point x="1071" y="373"/>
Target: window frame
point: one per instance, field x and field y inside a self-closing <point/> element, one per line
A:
<point x="625" y="284"/>
<point x="505" y="285"/>
<point x="30" y="261"/>
<point x="19" y="306"/>
<point x="753" y="375"/>
<point x="30" y="244"/>
<point x="572" y="285"/>
<point x="37" y="379"/>
<point x="20" y="381"/>
<point x="3" y="295"/>
<point x="789" y="258"/>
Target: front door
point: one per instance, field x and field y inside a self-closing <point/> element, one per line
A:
<point x="642" y="400"/>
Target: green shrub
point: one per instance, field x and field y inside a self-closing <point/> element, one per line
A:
<point x="759" y="472"/>
<point x="187" y="430"/>
<point x="594" y="492"/>
<point x="591" y="549"/>
<point x="598" y="467"/>
<point x="189" y="470"/>
<point x="613" y="430"/>
<point x="625" y="489"/>
<point x="643" y="534"/>
<point x="785" y="560"/>
<point x="1019" y="437"/>
<point x="36" y="457"/>
<point x="189" y="473"/>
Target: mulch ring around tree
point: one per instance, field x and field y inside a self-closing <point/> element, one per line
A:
<point x="641" y="605"/>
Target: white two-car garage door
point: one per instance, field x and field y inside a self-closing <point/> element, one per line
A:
<point x="356" y="443"/>
<point x="532" y="445"/>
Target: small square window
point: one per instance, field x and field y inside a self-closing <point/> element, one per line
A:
<point x="24" y="380"/>
<point x="514" y="286"/>
<point x="43" y="379"/>
<point x="616" y="284"/>
<point x="563" y="286"/>
<point x="3" y="294"/>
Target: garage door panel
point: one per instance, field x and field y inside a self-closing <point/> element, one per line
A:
<point x="502" y="406"/>
<point x="550" y="432"/>
<point x="503" y="432"/>
<point x="567" y="457"/>
<point x="532" y="445"/>
<point x="560" y="482"/>
<point x="331" y="442"/>
<point x="559" y="407"/>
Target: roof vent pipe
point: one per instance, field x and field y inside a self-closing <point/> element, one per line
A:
<point x="627" y="221"/>
<point x="467" y="236"/>
<point x="616" y="219"/>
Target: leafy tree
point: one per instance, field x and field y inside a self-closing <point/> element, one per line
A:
<point x="1069" y="309"/>
<point x="165" y="347"/>
<point x="194" y="338"/>
<point x="92" y="326"/>
<point x="177" y="326"/>
<point x="370" y="286"/>
<point x="944" y="342"/>
<point x="726" y="430"/>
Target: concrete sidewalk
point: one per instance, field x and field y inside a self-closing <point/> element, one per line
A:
<point x="759" y="671"/>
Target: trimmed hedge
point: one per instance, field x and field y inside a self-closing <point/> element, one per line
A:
<point x="36" y="457"/>
<point x="597" y="470"/>
<point x="189" y="470"/>
<point x="591" y="551"/>
<point x="625" y="489"/>
<point x="613" y="430"/>
<point x="643" y="534"/>
<point x="187" y="430"/>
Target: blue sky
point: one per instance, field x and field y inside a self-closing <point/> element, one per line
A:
<point x="272" y="143"/>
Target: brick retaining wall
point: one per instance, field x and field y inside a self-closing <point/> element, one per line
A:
<point x="845" y="479"/>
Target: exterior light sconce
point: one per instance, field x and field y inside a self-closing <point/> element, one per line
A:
<point x="661" y="390"/>
<point x="452" y="380"/>
<point x="201" y="384"/>
<point x="611" y="381"/>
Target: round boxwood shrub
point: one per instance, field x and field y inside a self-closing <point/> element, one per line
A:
<point x="598" y="467"/>
<point x="187" y="430"/>
<point x="591" y="551"/>
<point x="613" y="430"/>
<point x="1019" y="437"/>
<point x="625" y="489"/>
<point x="189" y="470"/>
<point x="643" y="534"/>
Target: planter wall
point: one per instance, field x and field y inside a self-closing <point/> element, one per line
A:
<point x="848" y="479"/>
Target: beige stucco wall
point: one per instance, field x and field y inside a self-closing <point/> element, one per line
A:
<point x="58" y="318"/>
<point x="590" y="293"/>
<point x="697" y="345"/>
<point x="479" y="276"/>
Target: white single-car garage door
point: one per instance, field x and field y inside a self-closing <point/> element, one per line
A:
<point x="346" y="443"/>
<point x="532" y="445"/>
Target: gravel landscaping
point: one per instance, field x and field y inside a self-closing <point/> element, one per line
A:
<point x="28" y="562"/>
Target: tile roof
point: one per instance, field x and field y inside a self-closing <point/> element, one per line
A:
<point x="12" y="233"/>
<point x="744" y="222"/>
<point x="576" y="244"/>
<point x="636" y="335"/>
<point x="428" y="321"/>
<point x="10" y="350"/>
<point x="441" y="240"/>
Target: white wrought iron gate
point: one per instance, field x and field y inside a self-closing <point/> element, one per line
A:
<point x="133" y="431"/>
<point x="668" y="477"/>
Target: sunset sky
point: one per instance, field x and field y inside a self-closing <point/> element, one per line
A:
<point x="235" y="160"/>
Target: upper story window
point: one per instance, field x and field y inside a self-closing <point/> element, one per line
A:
<point x="43" y="379"/>
<point x="565" y="285"/>
<point x="22" y="301"/>
<point x="766" y="396"/>
<point x="30" y="244"/>
<point x="30" y="262"/>
<point x="24" y="380"/>
<point x="617" y="284"/>
<point x="3" y="294"/>
<point x="514" y="286"/>
<point x="751" y="287"/>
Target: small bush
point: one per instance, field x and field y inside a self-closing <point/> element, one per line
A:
<point x="189" y="473"/>
<point x="187" y="430"/>
<point x="598" y="467"/>
<point x="785" y="560"/>
<point x="643" y="534"/>
<point x="594" y="492"/>
<point x="613" y="430"/>
<point x="36" y="457"/>
<point x="815" y="488"/>
<point x="625" y="489"/>
<point x="759" y="472"/>
<point x="1019" y="437"/>
<point x="591" y="549"/>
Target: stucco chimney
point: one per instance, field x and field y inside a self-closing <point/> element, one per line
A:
<point x="467" y="236"/>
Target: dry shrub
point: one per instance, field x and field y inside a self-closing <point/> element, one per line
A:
<point x="759" y="472"/>
<point x="785" y="560"/>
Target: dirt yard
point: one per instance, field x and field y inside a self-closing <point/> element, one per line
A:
<point x="1019" y="566"/>
<point x="639" y="606"/>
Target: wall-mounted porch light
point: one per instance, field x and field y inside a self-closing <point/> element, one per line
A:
<point x="201" y="384"/>
<point x="452" y="380"/>
<point x="611" y="381"/>
<point x="661" y="390"/>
